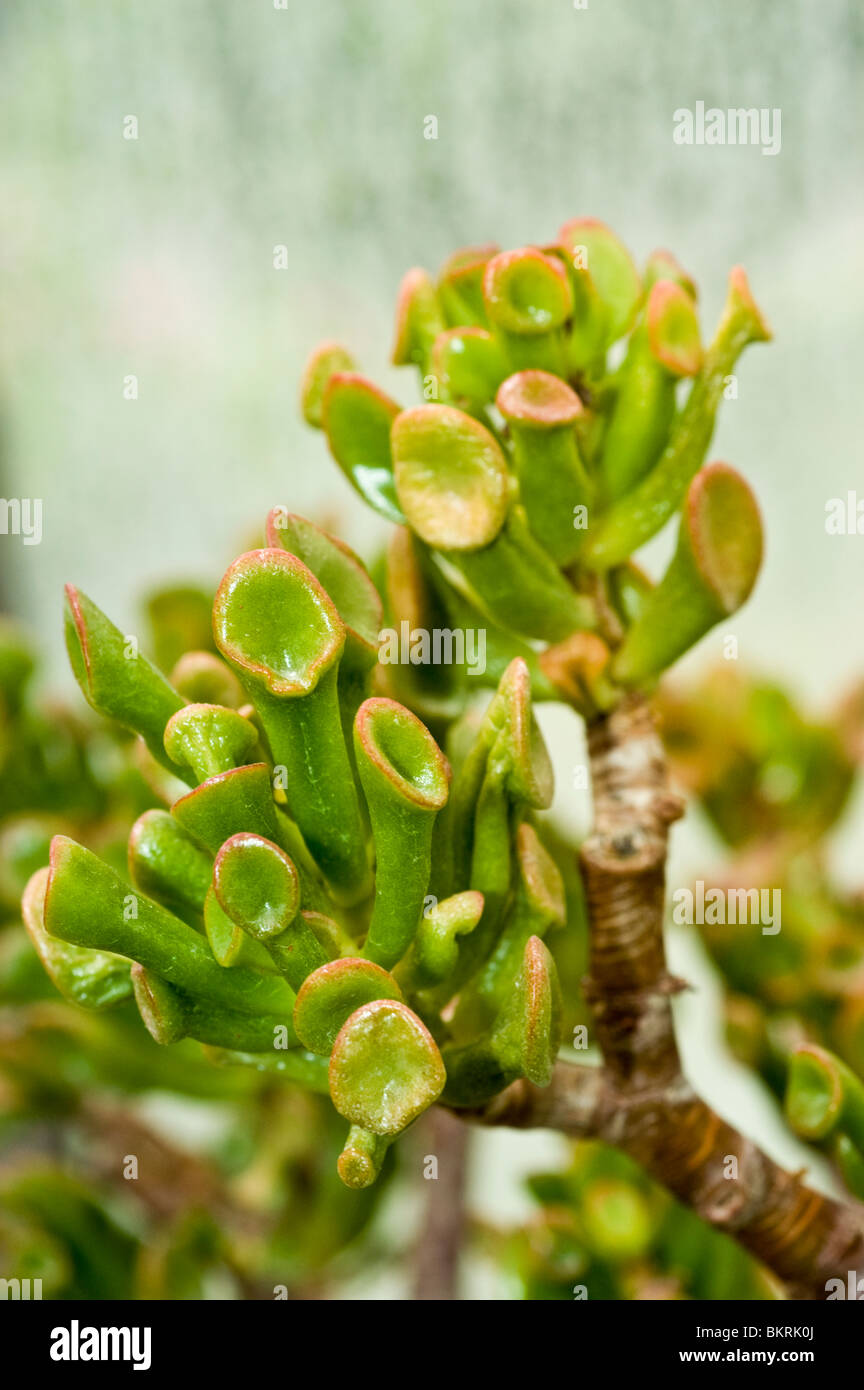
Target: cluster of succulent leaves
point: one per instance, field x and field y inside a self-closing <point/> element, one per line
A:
<point x="568" y="409"/>
<point x="330" y="895"/>
<point x="775" y="783"/>
<point x="60" y="1221"/>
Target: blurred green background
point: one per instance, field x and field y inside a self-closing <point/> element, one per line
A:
<point x="303" y="128"/>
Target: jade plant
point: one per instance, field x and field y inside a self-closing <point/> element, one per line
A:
<point x="351" y="880"/>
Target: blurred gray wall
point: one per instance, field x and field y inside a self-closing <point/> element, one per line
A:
<point x="304" y="127"/>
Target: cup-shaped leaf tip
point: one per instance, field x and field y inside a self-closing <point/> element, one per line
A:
<point x="740" y="301"/>
<point x="400" y="749"/>
<point x="256" y="885"/>
<point x="451" y="477"/>
<point x="323" y="362"/>
<point x="725" y="533"/>
<point x="275" y="623"/>
<point x="385" y="1068"/>
<point x="209" y="739"/>
<point x="538" y="400"/>
<point x="332" y="993"/>
<point x="527" y="292"/>
<point x="814" y="1092"/>
<point x="673" y="328"/>
<point x="595" y="248"/>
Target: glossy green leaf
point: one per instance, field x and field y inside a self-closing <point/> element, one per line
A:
<point x="330" y="995"/>
<point x="115" y="678"/>
<point x="611" y="269"/>
<point x="419" y="320"/>
<point x="357" y="419"/>
<point x="406" y="780"/>
<point x="824" y="1095"/>
<point x="204" y="740"/>
<point x="324" y="362"/>
<point x="664" y="347"/>
<point x="541" y="412"/>
<point x="711" y="575"/>
<point x="166" y="863"/>
<point x="258" y="887"/>
<point x="169" y="1015"/>
<point x="281" y="632"/>
<point x="638" y="516"/>
<point x="451" y="477"/>
<point x="385" y="1068"/>
<point x="528" y="300"/>
<point x="469" y="366"/>
<point x="87" y="904"/>
<point x="92" y="979"/>
<point x="460" y="285"/>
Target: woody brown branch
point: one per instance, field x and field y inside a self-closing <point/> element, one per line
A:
<point x="639" y="1099"/>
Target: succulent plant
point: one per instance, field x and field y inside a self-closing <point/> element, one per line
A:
<point x="353" y="883"/>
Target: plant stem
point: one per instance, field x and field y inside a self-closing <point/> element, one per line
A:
<point x="639" y="1100"/>
<point x="438" y="1249"/>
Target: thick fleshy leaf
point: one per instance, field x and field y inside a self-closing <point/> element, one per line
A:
<point x="541" y="411"/>
<point x="823" y="1095"/>
<point x="451" y="477"/>
<point x="88" y="904"/>
<point x="527" y="293"/>
<point x="258" y="887"/>
<point x="638" y="516"/>
<point x="529" y="298"/>
<point x="611" y="268"/>
<point x="340" y="573"/>
<point x="204" y="740"/>
<point x="385" y="1068"/>
<point x="91" y="979"/>
<point x="169" y="1014"/>
<point x="506" y="771"/>
<point x="460" y="285"/>
<point x="518" y="585"/>
<point x="323" y="362"/>
<point x="406" y="781"/>
<point x="537" y="905"/>
<point x="114" y="677"/>
<point x="662" y="265"/>
<point x="357" y="419"/>
<point x="166" y="863"/>
<point x="419" y="319"/>
<point x="203" y="678"/>
<point x="523" y="1041"/>
<point x="224" y="805"/>
<point x="469" y="366"/>
<point x="281" y="632"/>
<point x="229" y="943"/>
<point x="435" y="952"/>
<point x="711" y="575"/>
<point x="664" y="347"/>
<point x="330" y="995"/>
<point x="673" y="328"/>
